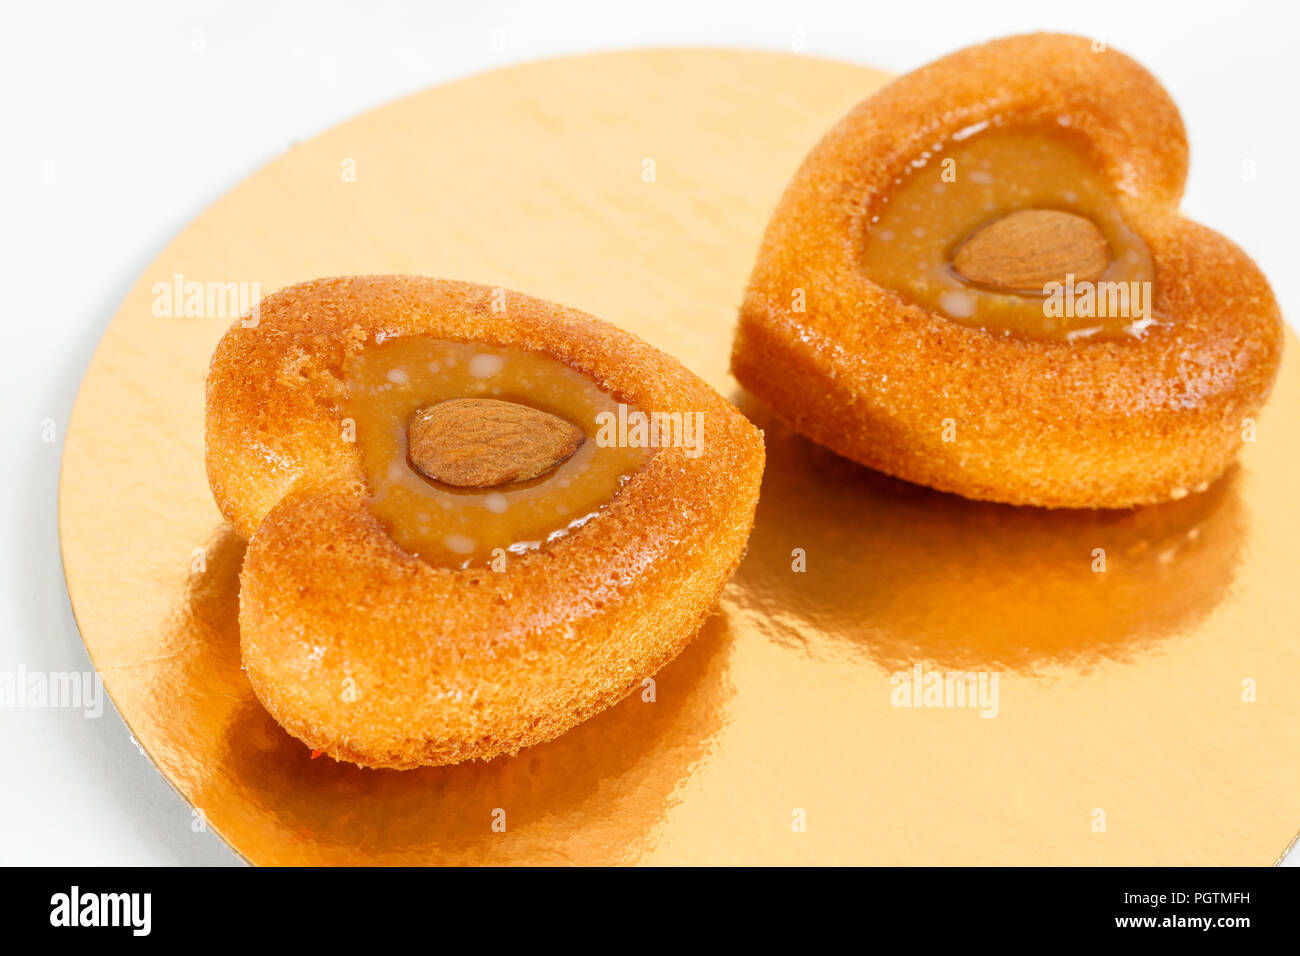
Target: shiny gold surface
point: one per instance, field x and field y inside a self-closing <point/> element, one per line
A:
<point x="1119" y="690"/>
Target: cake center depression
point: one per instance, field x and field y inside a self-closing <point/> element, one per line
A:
<point x="470" y="450"/>
<point x="1014" y="231"/>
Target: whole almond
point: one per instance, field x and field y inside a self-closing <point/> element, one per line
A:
<point x="486" y="443"/>
<point x="1025" y="250"/>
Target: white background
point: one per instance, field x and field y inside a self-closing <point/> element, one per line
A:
<point x="121" y="122"/>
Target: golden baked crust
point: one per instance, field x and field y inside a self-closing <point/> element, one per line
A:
<point x="1093" y="424"/>
<point x="379" y="658"/>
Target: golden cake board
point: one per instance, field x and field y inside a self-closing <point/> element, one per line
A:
<point x="636" y="186"/>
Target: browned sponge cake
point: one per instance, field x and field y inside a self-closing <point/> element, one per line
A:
<point x="377" y="657"/>
<point x="1095" y="424"/>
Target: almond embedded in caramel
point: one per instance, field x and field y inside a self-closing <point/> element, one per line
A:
<point x="1024" y="251"/>
<point x="485" y="443"/>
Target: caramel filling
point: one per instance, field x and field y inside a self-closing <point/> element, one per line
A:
<point x="1015" y="232"/>
<point x="472" y="452"/>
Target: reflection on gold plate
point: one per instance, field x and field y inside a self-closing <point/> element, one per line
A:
<point x="610" y="184"/>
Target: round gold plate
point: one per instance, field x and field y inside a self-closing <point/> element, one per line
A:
<point x="1145" y="714"/>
